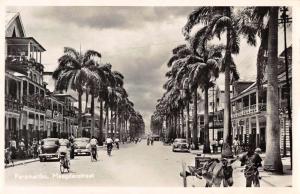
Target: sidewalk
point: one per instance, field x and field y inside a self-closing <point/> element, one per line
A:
<point x="21" y="162"/>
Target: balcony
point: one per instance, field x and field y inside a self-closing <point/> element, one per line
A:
<point x="12" y="104"/>
<point x="249" y="110"/>
<point x="69" y="113"/>
<point x="35" y="102"/>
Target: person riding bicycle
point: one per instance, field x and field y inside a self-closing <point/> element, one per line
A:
<point x="117" y="142"/>
<point x="65" y="150"/>
<point x="251" y="160"/>
<point x="93" y="145"/>
<point x="109" y="143"/>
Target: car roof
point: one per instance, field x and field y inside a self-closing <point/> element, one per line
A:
<point x="50" y="139"/>
<point x="82" y="138"/>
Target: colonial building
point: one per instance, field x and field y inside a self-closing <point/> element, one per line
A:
<point x="31" y="110"/>
<point x="24" y="90"/>
<point x="249" y="109"/>
<point x="70" y="124"/>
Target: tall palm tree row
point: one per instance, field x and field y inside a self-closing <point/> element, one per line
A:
<point x="194" y="66"/>
<point x="83" y="72"/>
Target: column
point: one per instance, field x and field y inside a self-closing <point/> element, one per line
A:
<point x="21" y="92"/>
<point x="39" y="127"/>
<point x="40" y="57"/>
<point x="249" y="99"/>
<point x="257" y="132"/>
<point x="257" y="101"/>
<point x="29" y="51"/>
<point x="36" y="54"/>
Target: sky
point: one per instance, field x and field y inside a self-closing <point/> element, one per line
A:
<point x="137" y="41"/>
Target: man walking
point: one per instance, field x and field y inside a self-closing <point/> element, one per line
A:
<point x="251" y="160"/>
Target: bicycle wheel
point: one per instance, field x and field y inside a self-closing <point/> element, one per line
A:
<point x="62" y="168"/>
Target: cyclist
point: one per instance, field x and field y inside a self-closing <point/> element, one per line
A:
<point x="117" y="142"/>
<point x="109" y="144"/>
<point x="64" y="149"/>
<point x="93" y="145"/>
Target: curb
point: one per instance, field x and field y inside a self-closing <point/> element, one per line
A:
<point x="21" y="163"/>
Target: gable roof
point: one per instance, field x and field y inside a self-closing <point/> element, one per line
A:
<point x="12" y="16"/>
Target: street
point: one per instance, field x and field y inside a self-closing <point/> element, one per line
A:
<point x="135" y="165"/>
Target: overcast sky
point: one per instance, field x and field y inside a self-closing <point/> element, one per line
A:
<point x="137" y="41"/>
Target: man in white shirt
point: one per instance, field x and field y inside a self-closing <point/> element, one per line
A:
<point x="93" y="144"/>
<point x="109" y="143"/>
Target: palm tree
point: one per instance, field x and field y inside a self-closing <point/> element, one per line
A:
<point x="273" y="160"/>
<point x="219" y="20"/>
<point x="73" y="71"/>
<point x="254" y="20"/>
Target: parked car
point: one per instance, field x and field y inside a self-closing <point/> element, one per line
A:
<point x="80" y="145"/>
<point x="180" y="145"/>
<point x="49" y="149"/>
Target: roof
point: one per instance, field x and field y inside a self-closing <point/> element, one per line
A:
<point x="66" y="95"/>
<point x="10" y="17"/>
<point x="24" y="41"/>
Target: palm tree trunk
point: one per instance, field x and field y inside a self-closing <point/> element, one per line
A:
<point x="93" y="114"/>
<point x="206" y="148"/>
<point x="188" y="130"/>
<point x="107" y="119"/>
<point x="101" y="121"/>
<point x="226" y="151"/>
<point x="273" y="160"/>
<point x="195" y="119"/>
<point x="112" y="130"/>
<point x="79" y="113"/>
<point x="86" y="101"/>
<point x="182" y="123"/>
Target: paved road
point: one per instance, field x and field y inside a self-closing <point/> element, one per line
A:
<point x="135" y="165"/>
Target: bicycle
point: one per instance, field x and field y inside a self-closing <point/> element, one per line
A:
<point x="93" y="154"/>
<point x="64" y="163"/>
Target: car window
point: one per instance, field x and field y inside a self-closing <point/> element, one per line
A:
<point x="49" y="142"/>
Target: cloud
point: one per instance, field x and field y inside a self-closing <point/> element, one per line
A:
<point x="103" y="17"/>
<point x="137" y="41"/>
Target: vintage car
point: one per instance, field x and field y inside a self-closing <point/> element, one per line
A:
<point x="49" y="149"/>
<point x="180" y="145"/>
<point x="80" y="145"/>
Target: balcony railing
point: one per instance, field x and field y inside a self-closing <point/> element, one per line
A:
<point x="35" y="102"/>
<point x="248" y="110"/>
<point x="69" y="113"/>
<point x="12" y="104"/>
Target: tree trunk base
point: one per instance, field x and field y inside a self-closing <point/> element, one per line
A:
<point x="206" y="149"/>
<point x="226" y="151"/>
<point x="274" y="168"/>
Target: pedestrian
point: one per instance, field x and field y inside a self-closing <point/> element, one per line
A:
<point x="148" y="141"/>
<point x="22" y="149"/>
<point x="214" y="145"/>
<point x="71" y="140"/>
<point x="13" y="148"/>
<point x="236" y="145"/>
<point x="221" y="144"/>
<point x="252" y="161"/>
<point x="152" y="140"/>
<point x="34" y="148"/>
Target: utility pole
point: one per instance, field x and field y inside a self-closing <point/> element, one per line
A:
<point x="284" y="20"/>
<point x="213" y="114"/>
